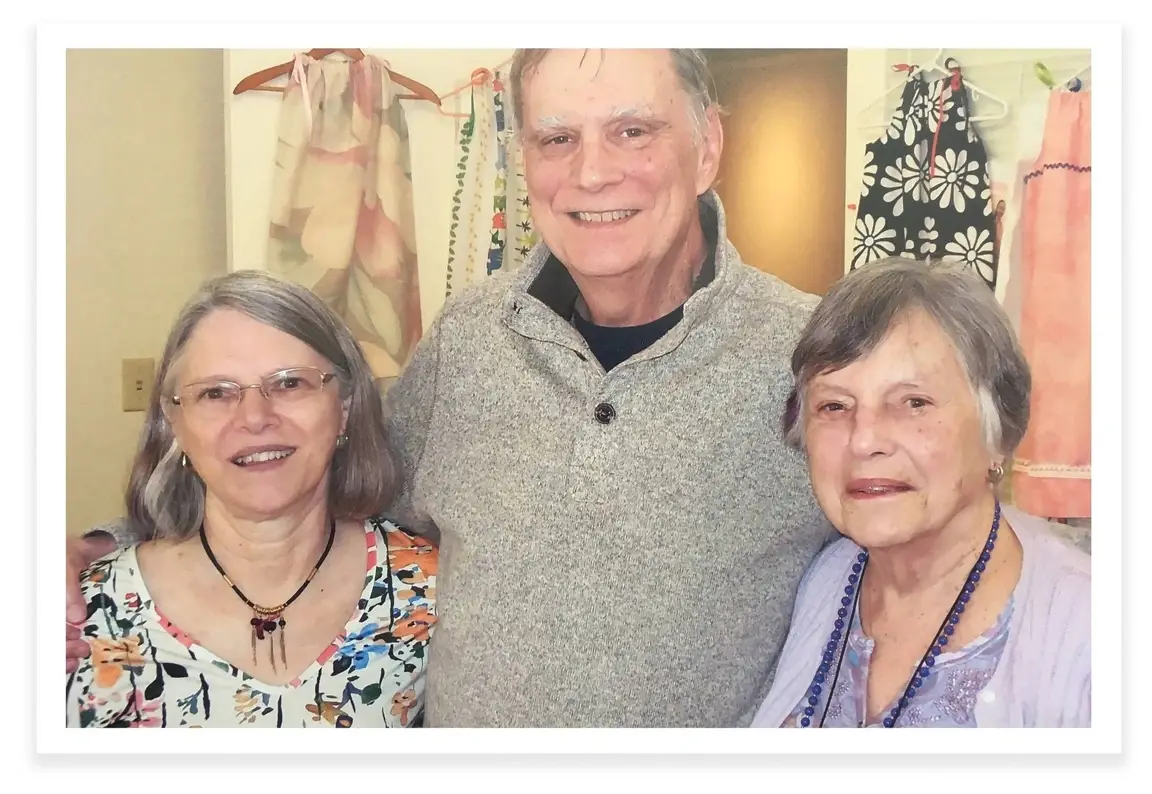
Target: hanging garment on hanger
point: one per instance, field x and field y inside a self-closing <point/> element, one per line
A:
<point x="474" y="195"/>
<point x="491" y="225"/>
<point x="342" y="221"/>
<point x="1052" y="469"/>
<point x="926" y="191"/>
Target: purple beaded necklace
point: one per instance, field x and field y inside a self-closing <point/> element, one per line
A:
<point x="851" y="598"/>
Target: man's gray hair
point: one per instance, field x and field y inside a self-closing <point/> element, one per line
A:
<point x="166" y="499"/>
<point x="859" y="310"/>
<point x="691" y="69"/>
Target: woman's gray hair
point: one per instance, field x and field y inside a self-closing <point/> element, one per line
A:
<point x="166" y="499"/>
<point x="691" y="69"/>
<point x="860" y="309"/>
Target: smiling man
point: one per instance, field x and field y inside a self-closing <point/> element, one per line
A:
<point x="596" y="436"/>
<point x="616" y="153"/>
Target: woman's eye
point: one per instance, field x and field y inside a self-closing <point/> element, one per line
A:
<point x="213" y="393"/>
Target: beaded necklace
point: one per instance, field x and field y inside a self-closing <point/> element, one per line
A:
<point x="840" y="629"/>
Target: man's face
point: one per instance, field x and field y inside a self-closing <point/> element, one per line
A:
<point x="612" y="164"/>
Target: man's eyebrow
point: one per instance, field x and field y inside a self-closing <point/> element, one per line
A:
<point x="548" y="124"/>
<point x="551" y="124"/>
<point x="643" y="112"/>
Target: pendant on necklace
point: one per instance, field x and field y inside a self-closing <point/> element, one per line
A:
<point x="263" y="627"/>
<point x="265" y="620"/>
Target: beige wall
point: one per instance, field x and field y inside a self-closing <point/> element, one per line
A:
<point x="145" y="220"/>
<point x="782" y="174"/>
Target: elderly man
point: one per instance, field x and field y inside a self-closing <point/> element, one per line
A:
<point x="595" y="436"/>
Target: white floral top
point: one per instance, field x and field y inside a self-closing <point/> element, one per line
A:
<point x="145" y="672"/>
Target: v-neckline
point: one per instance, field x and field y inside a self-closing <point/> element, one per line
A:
<point x="374" y="539"/>
<point x="862" y="645"/>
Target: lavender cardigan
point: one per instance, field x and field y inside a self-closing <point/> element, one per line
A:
<point x="1044" y="679"/>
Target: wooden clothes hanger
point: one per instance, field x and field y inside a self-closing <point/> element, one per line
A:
<point x="256" y="81"/>
<point x="479" y="77"/>
<point x="945" y="67"/>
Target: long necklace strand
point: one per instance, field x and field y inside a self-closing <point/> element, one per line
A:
<point x="862" y="561"/>
<point x="265" y="620"/>
<point x="927" y="662"/>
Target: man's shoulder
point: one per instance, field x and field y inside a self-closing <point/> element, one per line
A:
<point x="766" y="311"/>
<point x="480" y="301"/>
<point x="763" y="289"/>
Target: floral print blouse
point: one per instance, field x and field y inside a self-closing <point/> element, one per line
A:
<point x="145" y="672"/>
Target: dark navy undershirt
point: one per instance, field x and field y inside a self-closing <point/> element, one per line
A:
<point x="614" y="344"/>
<point x="555" y="288"/>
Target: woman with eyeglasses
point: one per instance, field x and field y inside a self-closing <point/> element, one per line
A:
<point x="269" y="593"/>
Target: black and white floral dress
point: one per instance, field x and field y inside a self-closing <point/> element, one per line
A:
<point x="926" y="193"/>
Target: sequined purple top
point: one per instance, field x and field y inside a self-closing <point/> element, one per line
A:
<point x="947" y="698"/>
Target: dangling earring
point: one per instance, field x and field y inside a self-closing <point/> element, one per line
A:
<point x="996" y="473"/>
<point x="183" y="460"/>
<point x="341" y="441"/>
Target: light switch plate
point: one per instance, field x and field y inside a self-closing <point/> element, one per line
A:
<point x="137" y="375"/>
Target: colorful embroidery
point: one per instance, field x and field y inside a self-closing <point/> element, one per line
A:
<point x="491" y="225"/>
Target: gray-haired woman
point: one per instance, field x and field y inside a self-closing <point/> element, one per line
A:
<point x="266" y="594"/>
<point x="940" y="607"/>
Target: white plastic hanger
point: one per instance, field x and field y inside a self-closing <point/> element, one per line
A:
<point x="1067" y="84"/>
<point x="1045" y="77"/>
<point x="944" y="67"/>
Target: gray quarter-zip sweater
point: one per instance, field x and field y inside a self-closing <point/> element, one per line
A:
<point x="617" y="549"/>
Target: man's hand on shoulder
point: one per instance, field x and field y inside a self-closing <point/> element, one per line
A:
<point x="80" y="553"/>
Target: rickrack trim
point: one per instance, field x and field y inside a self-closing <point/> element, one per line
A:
<point x="1080" y="169"/>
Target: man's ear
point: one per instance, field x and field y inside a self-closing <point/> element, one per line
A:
<point x="710" y="148"/>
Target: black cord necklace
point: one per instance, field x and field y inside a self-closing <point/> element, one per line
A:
<point x="266" y="620"/>
<point x="840" y="658"/>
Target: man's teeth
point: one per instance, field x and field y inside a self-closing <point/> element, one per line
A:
<point x="605" y="217"/>
<point x="263" y="457"/>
